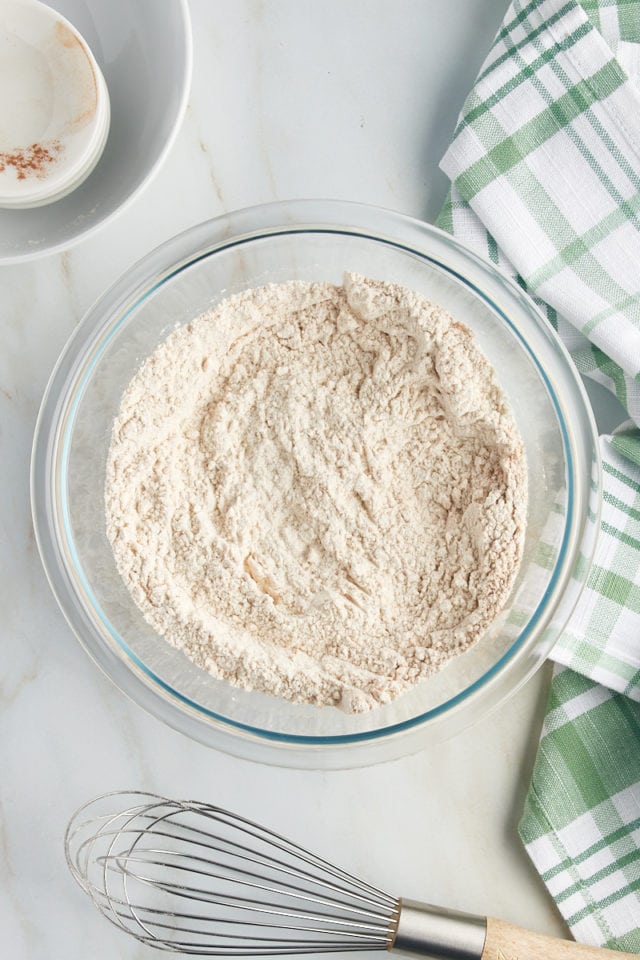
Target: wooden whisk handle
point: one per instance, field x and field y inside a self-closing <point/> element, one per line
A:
<point x="435" y="933"/>
<point x="506" y="942"/>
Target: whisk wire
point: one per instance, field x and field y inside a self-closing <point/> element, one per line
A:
<point x="287" y="846"/>
<point x="144" y="865"/>
<point x="142" y="908"/>
<point x="281" y="866"/>
<point x="256" y="906"/>
<point x="124" y="861"/>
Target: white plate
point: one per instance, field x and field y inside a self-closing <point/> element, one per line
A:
<point x="144" y="51"/>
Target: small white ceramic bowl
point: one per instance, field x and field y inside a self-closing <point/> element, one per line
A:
<point x="54" y="106"/>
<point x="143" y="49"/>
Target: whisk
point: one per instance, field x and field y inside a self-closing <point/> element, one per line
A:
<point x="196" y="879"/>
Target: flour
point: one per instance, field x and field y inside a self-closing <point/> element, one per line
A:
<point x="317" y="491"/>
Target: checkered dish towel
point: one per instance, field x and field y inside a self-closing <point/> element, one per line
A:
<point x="545" y="172"/>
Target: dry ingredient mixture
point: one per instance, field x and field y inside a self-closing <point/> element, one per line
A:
<point x="318" y="491"/>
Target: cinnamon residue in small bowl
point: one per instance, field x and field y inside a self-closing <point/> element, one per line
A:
<point x="32" y="161"/>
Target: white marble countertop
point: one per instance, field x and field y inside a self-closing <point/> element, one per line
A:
<point x="351" y="99"/>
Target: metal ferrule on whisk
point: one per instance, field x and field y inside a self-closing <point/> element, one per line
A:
<point x="438" y="934"/>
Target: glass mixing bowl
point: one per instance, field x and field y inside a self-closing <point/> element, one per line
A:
<point x="312" y="240"/>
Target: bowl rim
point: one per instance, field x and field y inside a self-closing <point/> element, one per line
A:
<point x="185" y="84"/>
<point x="75" y="365"/>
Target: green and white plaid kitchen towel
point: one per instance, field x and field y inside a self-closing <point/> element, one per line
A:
<point x="545" y="172"/>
